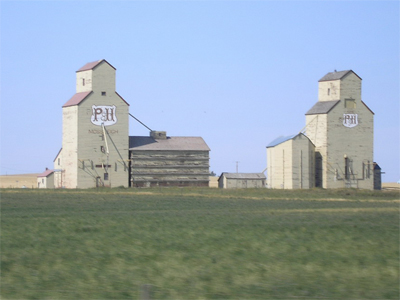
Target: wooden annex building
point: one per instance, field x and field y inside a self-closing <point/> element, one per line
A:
<point x="159" y="160"/>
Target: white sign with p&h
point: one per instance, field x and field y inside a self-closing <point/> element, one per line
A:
<point x="103" y="114"/>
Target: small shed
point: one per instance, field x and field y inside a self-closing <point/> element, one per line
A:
<point x="45" y="180"/>
<point x="241" y="180"/>
<point x="377" y="177"/>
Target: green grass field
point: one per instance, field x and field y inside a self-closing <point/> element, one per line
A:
<point x="199" y="244"/>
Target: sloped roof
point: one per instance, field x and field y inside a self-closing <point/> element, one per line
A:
<point x="92" y="65"/>
<point x="336" y="75"/>
<point x="243" y="175"/>
<point x="176" y="143"/>
<point x="46" y="173"/>
<point x="322" y="107"/>
<point x="376" y="166"/>
<point x="76" y="99"/>
<point x="280" y="140"/>
<point x="367" y="107"/>
<point x="283" y="139"/>
<point x="57" y="155"/>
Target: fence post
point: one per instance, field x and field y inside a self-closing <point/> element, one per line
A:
<point x="145" y="292"/>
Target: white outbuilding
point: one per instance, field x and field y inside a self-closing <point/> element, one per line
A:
<point x="45" y="180"/>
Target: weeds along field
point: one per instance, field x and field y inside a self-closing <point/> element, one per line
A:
<point x="199" y="244"/>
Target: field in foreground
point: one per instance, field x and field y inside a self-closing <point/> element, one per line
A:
<point x="199" y="244"/>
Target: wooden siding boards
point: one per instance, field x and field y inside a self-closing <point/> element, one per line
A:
<point x="377" y="177"/>
<point x="174" y="161"/>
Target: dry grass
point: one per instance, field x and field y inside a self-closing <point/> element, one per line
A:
<point x="19" y="181"/>
<point x="390" y="186"/>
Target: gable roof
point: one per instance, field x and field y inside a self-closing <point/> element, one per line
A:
<point x="46" y="173"/>
<point x="336" y="75"/>
<point x="242" y="176"/>
<point x="177" y="143"/>
<point x="94" y="64"/>
<point x="322" y="107"/>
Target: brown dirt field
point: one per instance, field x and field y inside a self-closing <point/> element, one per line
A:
<point x="19" y="181"/>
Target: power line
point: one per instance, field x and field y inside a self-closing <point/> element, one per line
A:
<point x="140" y="122"/>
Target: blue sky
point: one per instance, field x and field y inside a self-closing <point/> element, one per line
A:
<point x="239" y="74"/>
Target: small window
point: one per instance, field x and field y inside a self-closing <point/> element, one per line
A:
<point x="103" y="93"/>
<point x="329" y="92"/>
<point x="42" y="180"/>
<point x="102" y="149"/>
<point x="350" y="103"/>
<point x="83" y="81"/>
<point x="58" y="161"/>
<point x="105" y="176"/>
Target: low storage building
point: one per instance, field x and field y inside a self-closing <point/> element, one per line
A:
<point x="159" y="160"/>
<point x="241" y="180"/>
<point x="377" y="177"/>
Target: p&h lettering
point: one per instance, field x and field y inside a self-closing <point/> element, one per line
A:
<point x="104" y="115"/>
<point x="108" y="115"/>
<point x="350" y="120"/>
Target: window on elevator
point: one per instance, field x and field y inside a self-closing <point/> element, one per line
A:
<point x="350" y="103"/>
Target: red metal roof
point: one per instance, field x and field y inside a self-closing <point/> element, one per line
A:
<point x="46" y="173"/>
<point x="92" y="65"/>
<point x="76" y="99"/>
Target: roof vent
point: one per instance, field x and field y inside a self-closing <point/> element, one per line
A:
<point x="158" y="135"/>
